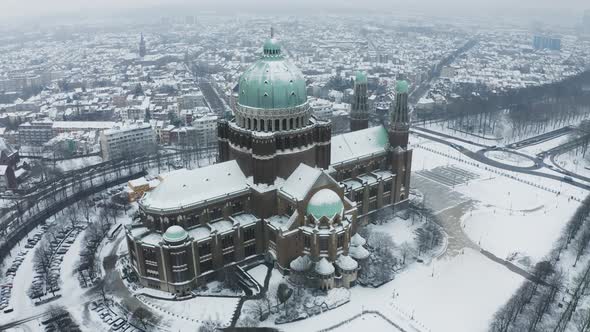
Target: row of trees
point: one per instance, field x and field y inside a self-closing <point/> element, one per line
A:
<point x="45" y="260"/>
<point x="519" y="113"/>
<point x="548" y="302"/>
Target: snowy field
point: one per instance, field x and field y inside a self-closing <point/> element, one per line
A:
<point x="574" y="162"/>
<point x="509" y="158"/>
<point x="258" y="273"/>
<point x="77" y="163"/>
<point x="368" y="321"/>
<point x="504" y="211"/>
<point x="187" y="315"/>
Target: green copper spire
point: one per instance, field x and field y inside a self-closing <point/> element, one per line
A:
<point x="401" y="86"/>
<point x="361" y="77"/>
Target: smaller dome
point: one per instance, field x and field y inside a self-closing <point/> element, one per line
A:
<point x="325" y="203"/>
<point x="401" y="86"/>
<point x="357" y="240"/>
<point x="175" y="234"/>
<point x="323" y="267"/>
<point x="358" y="252"/>
<point x="360" y="77"/>
<point x="300" y="264"/>
<point x="346" y="263"/>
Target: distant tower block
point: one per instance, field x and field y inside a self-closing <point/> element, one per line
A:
<point x="359" y="112"/>
<point x="142" y="47"/>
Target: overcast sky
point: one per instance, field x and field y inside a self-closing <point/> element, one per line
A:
<point x="28" y="8"/>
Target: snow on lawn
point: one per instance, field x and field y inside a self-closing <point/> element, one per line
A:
<point x="70" y="286"/>
<point x="509" y="158"/>
<point x="371" y="322"/>
<point x="258" y="273"/>
<point x="574" y="163"/>
<point x="77" y="163"/>
<point x="184" y="314"/>
<point x="463" y="295"/>
<point x="508" y="213"/>
<point x="544" y="146"/>
<point x="509" y="206"/>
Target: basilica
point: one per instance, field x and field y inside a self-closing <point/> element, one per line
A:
<point x="284" y="189"/>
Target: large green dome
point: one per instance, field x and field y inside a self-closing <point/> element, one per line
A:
<point x="325" y="203"/>
<point x="272" y="82"/>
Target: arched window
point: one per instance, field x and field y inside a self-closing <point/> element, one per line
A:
<point x="277" y="125"/>
<point x="255" y="125"/>
<point x="269" y="125"/>
<point x="249" y="124"/>
<point x="297" y="122"/>
<point x="291" y="123"/>
<point x="284" y="125"/>
<point x="261" y="125"/>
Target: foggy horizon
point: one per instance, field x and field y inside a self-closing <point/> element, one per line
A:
<point x="14" y="10"/>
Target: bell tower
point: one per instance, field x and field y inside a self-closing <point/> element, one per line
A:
<point x="399" y="155"/>
<point x="359" y="112"/>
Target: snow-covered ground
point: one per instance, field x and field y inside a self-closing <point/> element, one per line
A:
<point x="533" y="150"/>
<point x="77" y="163"/>
<point x="506" y="210"/>
<point x="458" y="294"/>
<point x="372" y="322"/>
<point x="186" y="315"/>
<point x="574" y="162"/>
<point x="258" y="273"/>
<point x="509" y="158"/>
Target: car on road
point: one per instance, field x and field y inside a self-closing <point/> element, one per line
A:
<point x="568" y="179"/>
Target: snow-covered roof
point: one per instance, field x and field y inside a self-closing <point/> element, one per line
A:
<point x="358" y="144"/>
<point x="357" y="240"/>
<point x="301" y="263"/>
<point x="279" y="222"/>
<point x="346" y="263"/>
<point x="301" y="181"/>
<point x="245" y="219"/>
<point x="323" y="267"/>
<point x="199" y="233"/>
<point x="190" y="187"/>
<point x="222" y="226"/>
<point x="358" y="252"/>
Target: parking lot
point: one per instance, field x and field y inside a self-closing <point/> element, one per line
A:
<point x="110" y="319"/>
<point x="7" y="280"/>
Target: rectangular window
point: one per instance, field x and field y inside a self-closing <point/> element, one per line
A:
<point x="204" y="248"/>
<point x="340" y="240"/>
<point x="205" y="266"/>
<point x="215" y="213"/>
<point x="149" y="254"/>
<point x="152" y="273"/>
<point x="324" y="243"/>
<point x="249" y="233"/>
<point x="250" y="250"/>
<point x="387" y="186"/>
<point x="228" y="258"/>
<point x="227" y="241"/>
<point x="373" y="192"/>
<point x="237" y="207"/>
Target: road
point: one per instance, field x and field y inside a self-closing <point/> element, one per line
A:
<point x="480" y="157"/>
